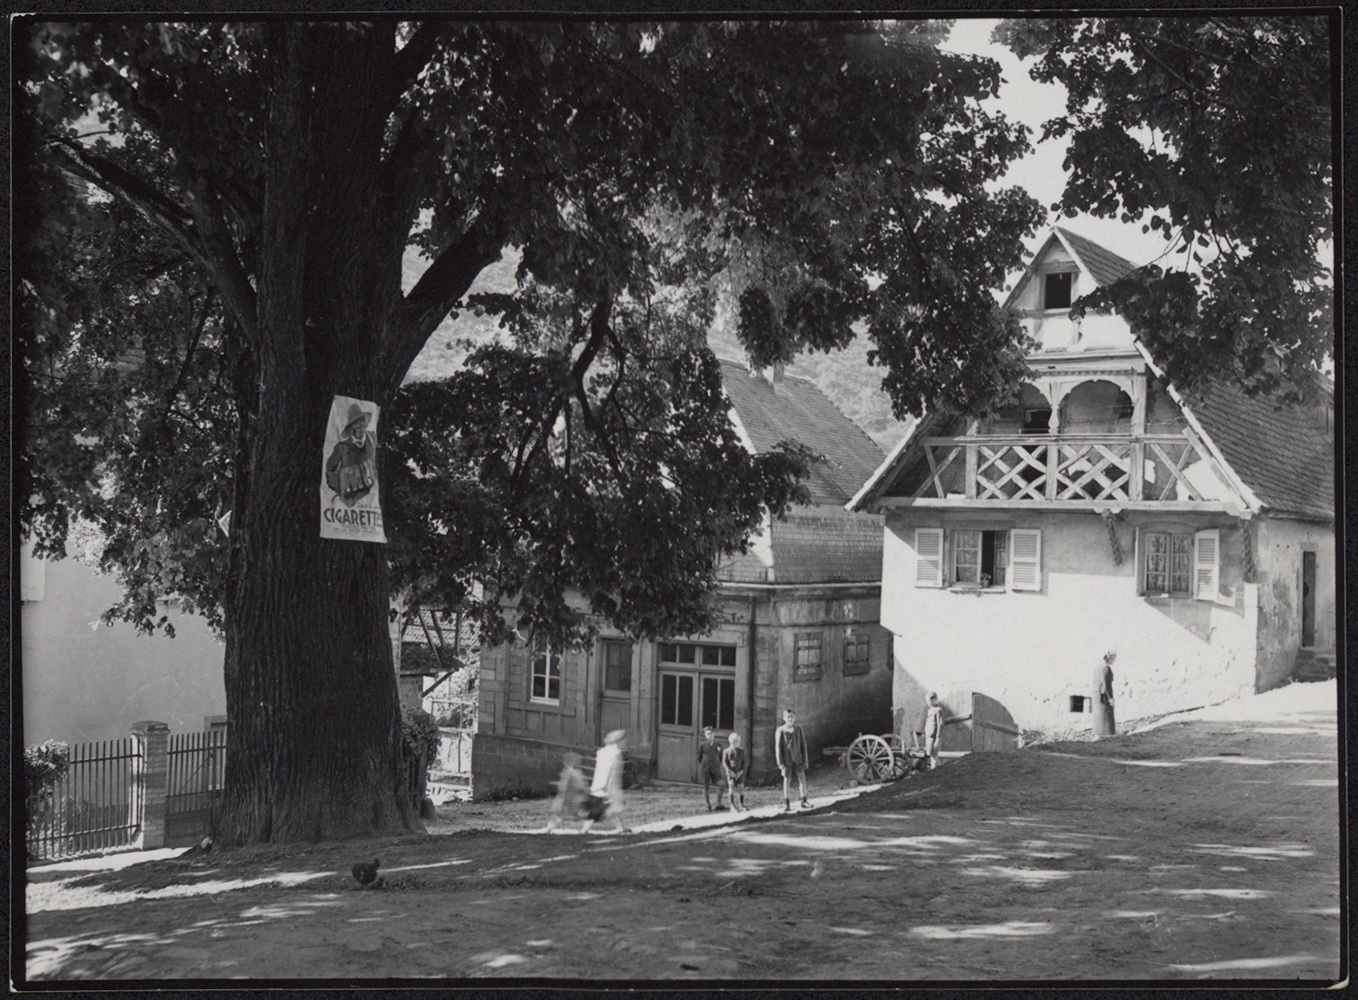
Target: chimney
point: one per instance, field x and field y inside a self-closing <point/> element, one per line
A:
<point x="777" y="373"/>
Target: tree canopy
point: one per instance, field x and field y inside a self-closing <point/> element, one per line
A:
<point x="1220" y="128"/>
<point x="644" y="169"/>
<point x="221" y="215"/>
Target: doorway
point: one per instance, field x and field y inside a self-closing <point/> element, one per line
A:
<point x="1308" y="598"/>
<point x="697" y="688"/>
<point x="615" y="688"/>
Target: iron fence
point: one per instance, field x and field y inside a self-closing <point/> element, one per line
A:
<point x="90" y="807"/>
<point x="195" y="766"/>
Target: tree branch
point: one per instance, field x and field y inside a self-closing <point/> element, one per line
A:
<point x="188" y="357"/>
<point x="432" y="298"/>
<point x="415" y="55"/>
<point x="193" y="232"/>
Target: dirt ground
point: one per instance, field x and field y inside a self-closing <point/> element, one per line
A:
<point x="1204" y="847"/>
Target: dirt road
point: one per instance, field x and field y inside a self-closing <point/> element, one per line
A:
<point x="1201" y="849"/>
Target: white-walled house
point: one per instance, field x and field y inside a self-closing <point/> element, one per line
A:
<point x="83" y="681"/>
<point x="1105" y="512"/>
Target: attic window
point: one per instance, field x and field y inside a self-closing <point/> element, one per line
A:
<point x="1056" y="289"/>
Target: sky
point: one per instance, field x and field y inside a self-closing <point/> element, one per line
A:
<point x="1023" y="99"/>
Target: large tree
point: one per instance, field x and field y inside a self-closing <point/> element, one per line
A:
<point x="224" y="214"/>
<point x="1218" y="131"/>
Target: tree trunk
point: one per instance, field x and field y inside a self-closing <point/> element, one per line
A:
<point x="314" y="726"/>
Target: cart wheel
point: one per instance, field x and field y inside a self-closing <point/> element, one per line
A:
<point x="869" y="759"/>
<point x="900" y="757"/>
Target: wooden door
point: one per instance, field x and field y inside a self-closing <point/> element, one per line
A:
<point x="677" y="727"/>
<point x="992" y="727"/>
<point x="982" y="723"/>
<point x="615" y="688"/>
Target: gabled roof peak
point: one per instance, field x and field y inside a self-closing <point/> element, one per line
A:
<point x="1104" y="266"/>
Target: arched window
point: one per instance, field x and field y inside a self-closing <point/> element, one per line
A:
<point x="1096" y="407"/>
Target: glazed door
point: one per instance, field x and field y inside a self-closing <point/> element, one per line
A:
<point x="678" y="732"/>
<point x="615" y="688"/>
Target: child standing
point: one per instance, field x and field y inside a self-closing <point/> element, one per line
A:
<point x="933" y="727"/>
<point x="605" y="791"/>
<point x="570" y="791"/>
<point x="789" y="750"/>
<point x="735" y="764"/>
<point x="709" y="766"/>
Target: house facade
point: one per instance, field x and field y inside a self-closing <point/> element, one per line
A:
<point x="84" y="681"/>
<point x="1103" y="511"/>
<point x="800" y="629"/>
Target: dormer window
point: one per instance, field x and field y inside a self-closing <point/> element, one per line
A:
<point x="1056" y="290"/>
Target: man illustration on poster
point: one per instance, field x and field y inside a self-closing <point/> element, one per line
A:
<point x="351" y="470"/>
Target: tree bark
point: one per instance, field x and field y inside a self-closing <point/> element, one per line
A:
<point x="314" y="726"/>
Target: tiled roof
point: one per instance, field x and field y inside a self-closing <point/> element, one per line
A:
<point x="818" y="543"/>
<point x="815" y="545"/>
<point x="796" y="410"/>
<point x="1282" y="454"/>
<point x="1103" y="265"/>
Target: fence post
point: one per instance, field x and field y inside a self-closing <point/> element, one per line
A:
<point x="150" y="778"/>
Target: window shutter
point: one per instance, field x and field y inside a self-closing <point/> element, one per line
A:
<point x="1025" y="559"/>
<point x="1206" y="563"/>
<point x="928" y="557"/>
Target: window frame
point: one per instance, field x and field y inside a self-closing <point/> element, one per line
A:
<point x="953" y="537"/>
<point x="1203" y="562"/>
<point x="542" y="653"/>
<point x="1022" y="551"/>
<point x="604" y="646"/>
<point x="802" y="670"/>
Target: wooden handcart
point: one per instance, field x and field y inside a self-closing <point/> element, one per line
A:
<point x="870" y="759"/>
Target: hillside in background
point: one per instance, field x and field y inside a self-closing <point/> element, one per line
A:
<point x="844" y="376"/>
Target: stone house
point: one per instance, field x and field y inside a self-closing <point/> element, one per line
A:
<point x="800" y="629"/>
<point x="1104" y="511"/>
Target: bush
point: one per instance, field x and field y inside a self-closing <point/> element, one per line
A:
<point x="419" y="735"/>
<point x="44" y="765"/>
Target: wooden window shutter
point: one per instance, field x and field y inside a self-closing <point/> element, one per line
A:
<point x="1025" y="559"/>
<point x="1206" y="563"/>
<point x="928" y="557"/>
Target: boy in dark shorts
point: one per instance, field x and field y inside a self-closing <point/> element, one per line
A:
<point x="789" y="749"/>
<point x="709" y="766"/>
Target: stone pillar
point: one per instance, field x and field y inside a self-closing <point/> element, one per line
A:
<point x="150" y="779"/>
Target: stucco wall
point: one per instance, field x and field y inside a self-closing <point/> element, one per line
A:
<point x="1033" y="651"/>
<point x="1278" y="548"/>
<point x="83" y="681"/>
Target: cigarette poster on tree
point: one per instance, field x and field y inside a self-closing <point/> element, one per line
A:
<point x="350" y="506"/>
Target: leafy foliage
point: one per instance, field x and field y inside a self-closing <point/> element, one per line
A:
<point x="506" y="474"/>
<point x="419" y="735"/>
<point x="44" y="765"/>
<point x="658" y="169"/>
<point x="1219" y="129"/>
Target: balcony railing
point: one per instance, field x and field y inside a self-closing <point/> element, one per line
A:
<point x="1071" y="467"/>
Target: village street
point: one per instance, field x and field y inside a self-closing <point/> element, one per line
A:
<point x="1203" y="847"/>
